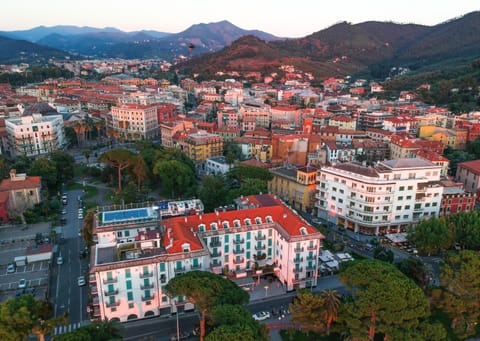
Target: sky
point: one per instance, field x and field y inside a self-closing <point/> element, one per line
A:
<point x="294" y="18"/>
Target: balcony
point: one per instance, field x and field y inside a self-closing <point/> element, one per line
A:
<point x="298" y="260"/>
<point x="147" y="286"/>
<point x="298" y="249"/>
<point x="238" y="261"/>
<point x="217" y="254"/>
<point x="239" y="241"/>
<point x="148" y="298"/>
<point x="312" y="257"/>
<point x="297" y="270"/>
<point x="261" y="247"/>
<point x="179" y="269"/>
<point x="196" y="266"/>
<point x="311" y="247"/>
<point x="238" y="251"/>
<point x="113" y="304"/>
<point x="257" y="238"/>
<point x="215" y="243"/>
<point x="215" y="265"/>
<point x="310" y="267"/>
<point x="146" y="274"/>
<point x="110" y="280"/>
<point x="110" y="293"/>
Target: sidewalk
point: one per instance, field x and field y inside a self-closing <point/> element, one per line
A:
<point x="267" y="288"/>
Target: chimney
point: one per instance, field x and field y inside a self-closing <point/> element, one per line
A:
<point x="13" y="173"/>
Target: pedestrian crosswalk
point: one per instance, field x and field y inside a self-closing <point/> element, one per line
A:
<point x="70" y="328"/>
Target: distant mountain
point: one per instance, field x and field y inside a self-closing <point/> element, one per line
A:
<point x="344" y="49"/>
<point x="14" y="51"/>
<point x="111" y="42"/>
<point x="37" y="33"/>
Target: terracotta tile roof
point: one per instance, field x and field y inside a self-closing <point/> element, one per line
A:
<point x="261" y="206"/>
<point x="29" y="182"/>
<point x="358" y="169"/>
<point x="473" y="166"/>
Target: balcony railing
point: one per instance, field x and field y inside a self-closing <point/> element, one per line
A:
<point x="298" y="249"/>
<point x="110" y="293"/>
<point x="298" y="260"/>
<point x="310" y="267"/>
<point x="262" y="247"/>
<point x="312" y="257"/>
<point x="238" y="261"/>
<point x="147" y="286"/>
<point x="238" y="251"/>
<point x="215" y="243"/>
<point x="110" y="280"/>
<point x="311" y="247"/>
<point x="113" y="304"/>
<point x="146" y="274"/>
<point x="217" y="254"/>
<point x="179" y="269"/>
<point x="260" y="237"/>
<point x="148" y="298"/>
<point x="297" y="270"/>
<point x="215" y="265"/>
<point x="239" y="241"/>
<point x="196" y="266"/>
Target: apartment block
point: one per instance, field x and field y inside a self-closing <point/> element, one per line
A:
<point x="34" y="136"/>
<point x="382" y="199"/>
<point x="134" y="121"/>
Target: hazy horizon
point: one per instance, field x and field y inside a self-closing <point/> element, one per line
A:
<point x="280" y="18"/>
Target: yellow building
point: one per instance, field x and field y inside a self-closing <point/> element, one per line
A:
<point x="203" y="145"/>
<point x="295" y="186"/>
<point x="455" y="138"/>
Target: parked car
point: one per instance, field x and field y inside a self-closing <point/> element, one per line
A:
<point x="64" y="211"/>
<point x="30" y="291"/>
<point x="11" y="268"/>
<point x="59" y="260"/>
<point x="260" y="316"/>
<point x="81" y="281"/>
<point x="22" y="284"/>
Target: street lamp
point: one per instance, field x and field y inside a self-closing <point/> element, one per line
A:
<point x="266" y="290"/>
<point x="178" y="325"/>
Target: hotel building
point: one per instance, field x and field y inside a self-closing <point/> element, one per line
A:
<point x="382" y="199"/>
<point x="34" y="135"/>
<point x="139" y="250"/>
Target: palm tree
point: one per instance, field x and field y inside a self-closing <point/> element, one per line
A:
<point x="332" y="300"/>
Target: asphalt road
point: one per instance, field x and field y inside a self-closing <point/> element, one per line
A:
<point x="66" y="294"/>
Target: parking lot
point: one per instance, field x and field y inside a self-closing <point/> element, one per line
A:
<point x="14" y="241"/>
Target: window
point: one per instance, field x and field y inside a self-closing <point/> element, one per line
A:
<point x="127" y="233"/>
<point x="410" y="188"/>
<point x="130" y="295"/>
<point x="407" y="207"/>
<point x="236" y="223"/>
<point x="398" y="208"/>
<point x="401" y="188"/>
<point x="162" y="267"/>
<point x="128" y="284"/>
<point x="269" y="219"/>
<point x="213" y="226"/>
<point x="258" y="220"/>
<point x="400" y="198"/>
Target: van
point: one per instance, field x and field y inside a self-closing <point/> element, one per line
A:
<point x="20" y="260"/>
<point x="369" y="247"/>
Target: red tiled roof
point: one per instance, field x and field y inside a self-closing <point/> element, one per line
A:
<point x="473" y="166"/>
<point x="29" y="182"/>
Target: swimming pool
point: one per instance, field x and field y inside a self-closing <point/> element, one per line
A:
<point x="118" y="216"/>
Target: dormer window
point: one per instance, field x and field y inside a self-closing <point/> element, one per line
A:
<point x="303" y="231"/>
<point x="186" y="247"/>
<point x="213" y="226"/>
<point x="236" y="223"/>
<point x="225" y="225"/>
<point x="248" y="222"/>
<point x="269" y="219"/>
<point x="258" y="220"/>
<point x="201" y="227"/>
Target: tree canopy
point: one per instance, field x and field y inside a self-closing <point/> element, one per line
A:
<point x="384" y="301"/>
<point x="120" y="159"/>
<point x="206" y="290"/>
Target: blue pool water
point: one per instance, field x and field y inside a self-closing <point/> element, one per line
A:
<point x="111" y="216"/>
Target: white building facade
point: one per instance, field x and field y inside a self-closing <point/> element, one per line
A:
<point x="135" y="256"/>
<point x="382" y="199"/>
<point x="34" y="135"/>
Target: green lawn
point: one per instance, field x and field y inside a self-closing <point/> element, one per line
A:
<point x="91" y="191"/>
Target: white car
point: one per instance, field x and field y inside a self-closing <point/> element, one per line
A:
<point x="262" y="315"/>
<point x="81" y="281"/>
<point x="11" y="268"/>
<point x="59" y="260"/>
<point x="22" y="284"/>
<point x="80" y="216"/>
